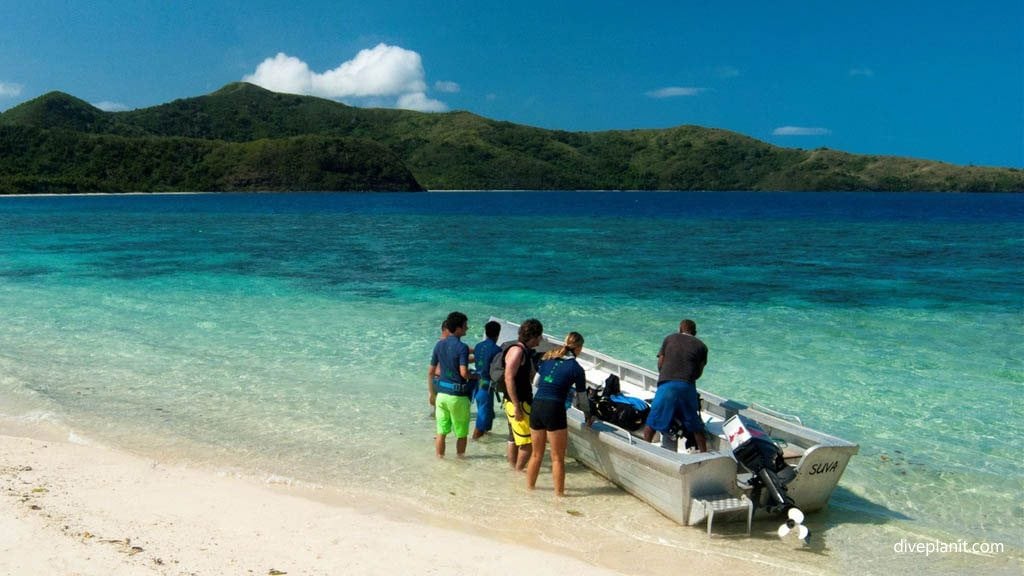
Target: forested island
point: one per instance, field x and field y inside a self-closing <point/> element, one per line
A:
<point x="245" y="138"/>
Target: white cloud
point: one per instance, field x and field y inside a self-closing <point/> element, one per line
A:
<point x="380" y="72"/>
<point x="10" y="90"/>
<point x="800" y="131"/>
<point x="446" y="86"/>
<point x="108" y="106"/>
<point x="283" y="73"/>
<point x="674" y="91"/>
<point x="419" y="101"/>
<point x="866" y="72"/>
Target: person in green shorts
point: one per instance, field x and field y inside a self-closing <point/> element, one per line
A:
<point x="432" y="372"/>
<point x="451" y="393"/>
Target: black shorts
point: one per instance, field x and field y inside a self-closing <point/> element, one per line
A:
<point x="548" y="415"/>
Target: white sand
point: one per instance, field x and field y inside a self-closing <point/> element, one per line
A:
<point x="71" y="509"/>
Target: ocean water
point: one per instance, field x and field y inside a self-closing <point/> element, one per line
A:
<point x="287" y="336"/>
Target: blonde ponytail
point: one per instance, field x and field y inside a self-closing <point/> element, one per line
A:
<point x="573" y="341"/>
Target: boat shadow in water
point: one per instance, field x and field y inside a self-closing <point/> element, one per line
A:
<point x="845" y="508"/>
<point x="589" y="491"/>
<point x="849" y="508"/>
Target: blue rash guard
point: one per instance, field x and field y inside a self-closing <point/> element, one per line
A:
<point x="484" y="352"/>
<point x="450" y="354"/>
<point x="557" y="377"/>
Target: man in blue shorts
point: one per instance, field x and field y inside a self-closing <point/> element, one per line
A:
<point x="681" y="362"/>
<point x="483" y="353"/>
<point x="450" y="394"/>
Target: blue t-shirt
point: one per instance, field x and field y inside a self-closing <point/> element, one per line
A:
<point x="557" y="377"/>
<point x="450" y="354"/>
<point x="484" y="352"/>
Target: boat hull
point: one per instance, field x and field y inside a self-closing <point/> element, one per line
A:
<point x="667" y="481"/>
<point x="671" y="482"/>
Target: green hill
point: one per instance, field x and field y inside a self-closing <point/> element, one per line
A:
<point x="59" y="111"/>
<point x="456" y="150"/>
<point x="36" y="160"/>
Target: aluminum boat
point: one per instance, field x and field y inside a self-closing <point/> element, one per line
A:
<point x="678" y="484"/>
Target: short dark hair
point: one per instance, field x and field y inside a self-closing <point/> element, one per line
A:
<point x="688" y="326"/>
<point x="492" y="329"/>
<point x="455" y="321"/>
<point x="530" y="329"/>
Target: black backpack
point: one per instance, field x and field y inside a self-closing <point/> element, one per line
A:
<point x="630" y="414"/>
<point x="497" y="368"/>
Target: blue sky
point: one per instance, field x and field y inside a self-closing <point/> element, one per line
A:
<point x="940" y="80"/>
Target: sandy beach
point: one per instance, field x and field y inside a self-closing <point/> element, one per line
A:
<point x="75" y="509"/>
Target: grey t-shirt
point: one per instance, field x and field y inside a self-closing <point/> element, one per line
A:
<point x="684" y="358"/>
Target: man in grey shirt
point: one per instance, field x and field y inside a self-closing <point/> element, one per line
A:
<point x="681" y="362"/>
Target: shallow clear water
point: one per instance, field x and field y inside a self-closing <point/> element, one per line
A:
<point x="289" y="334"/>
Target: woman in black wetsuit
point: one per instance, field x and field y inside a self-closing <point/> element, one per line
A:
<point x="557" y="374"/>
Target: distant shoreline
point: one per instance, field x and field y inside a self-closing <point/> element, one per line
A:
<point x="517" y="191"/>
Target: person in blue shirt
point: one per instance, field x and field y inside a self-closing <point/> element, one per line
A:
<point x="450" y="394"/>
<point x="483" y="353"/>
<point x="558" y="373"/>
<point x="433" y="371"/>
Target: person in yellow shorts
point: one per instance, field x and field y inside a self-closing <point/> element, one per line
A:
<point x="519" y="371"/>
<point x="520" y="429"/>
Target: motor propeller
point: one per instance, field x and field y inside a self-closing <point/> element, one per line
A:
<point x="795" y="523"/>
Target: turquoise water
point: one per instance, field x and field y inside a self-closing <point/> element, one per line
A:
<point x="289" y="334"/>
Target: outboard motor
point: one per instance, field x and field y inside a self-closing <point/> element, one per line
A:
<point x="756" y="452"/>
